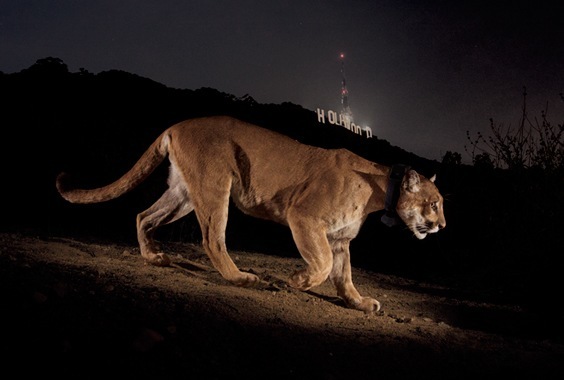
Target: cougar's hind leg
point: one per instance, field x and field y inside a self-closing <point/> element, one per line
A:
<point x="341" y="277"/>
<point x="172" y="205"/>
<point x="213" y="222"/>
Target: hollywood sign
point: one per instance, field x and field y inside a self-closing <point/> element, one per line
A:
<point x="342" y="121"/>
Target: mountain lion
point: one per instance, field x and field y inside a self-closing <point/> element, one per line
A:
<point x="322" y="195"/>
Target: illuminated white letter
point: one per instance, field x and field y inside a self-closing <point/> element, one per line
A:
<point x="332" y="117"/>
<point x="320" y="116"/>
<point x="368" y="132"/>
<point x="344" y="121"/>
<point x="356" y="128"/>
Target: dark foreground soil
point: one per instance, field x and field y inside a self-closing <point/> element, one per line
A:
<point x="75" y="308"/>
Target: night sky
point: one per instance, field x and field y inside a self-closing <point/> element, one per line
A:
<point x="419" y="73"/>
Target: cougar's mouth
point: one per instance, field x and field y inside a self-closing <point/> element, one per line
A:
<point x="422" y="229"/>
<point x="420" y="232"/>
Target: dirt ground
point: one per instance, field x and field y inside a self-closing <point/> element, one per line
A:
<point x="79" y="308"/>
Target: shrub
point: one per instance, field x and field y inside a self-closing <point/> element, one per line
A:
<point x="533" y="144"/>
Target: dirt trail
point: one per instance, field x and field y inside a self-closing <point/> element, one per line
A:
<point x="80" y="308"/>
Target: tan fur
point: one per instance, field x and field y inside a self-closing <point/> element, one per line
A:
<point x="322" y="195"/>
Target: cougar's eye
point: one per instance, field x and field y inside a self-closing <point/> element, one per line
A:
<point x="434" y="206"/>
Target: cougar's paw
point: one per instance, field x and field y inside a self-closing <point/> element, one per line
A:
<point x="158" y="259"/>
<point x="366" y="304"/>
<point x="245" y="280"/>
<point x="300" y="280"/>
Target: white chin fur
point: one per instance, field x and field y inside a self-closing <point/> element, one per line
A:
<point x="418" y="234"/>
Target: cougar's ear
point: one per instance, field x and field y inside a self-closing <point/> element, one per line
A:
<point x="433" y="178"/>
<point x="411" y="181"/>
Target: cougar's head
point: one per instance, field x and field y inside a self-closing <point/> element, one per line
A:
<point x="420" y="205"/>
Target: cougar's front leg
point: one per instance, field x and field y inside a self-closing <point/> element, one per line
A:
<point x="312" y="243"/>
<point x="341" y="277"/>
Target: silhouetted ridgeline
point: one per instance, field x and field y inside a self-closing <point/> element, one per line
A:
<point x="503" y="231"/>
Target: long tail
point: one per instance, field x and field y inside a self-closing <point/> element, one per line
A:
<point x="148" y="162"/>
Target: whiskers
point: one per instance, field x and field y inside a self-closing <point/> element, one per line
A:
<point x="428" y="227"/>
